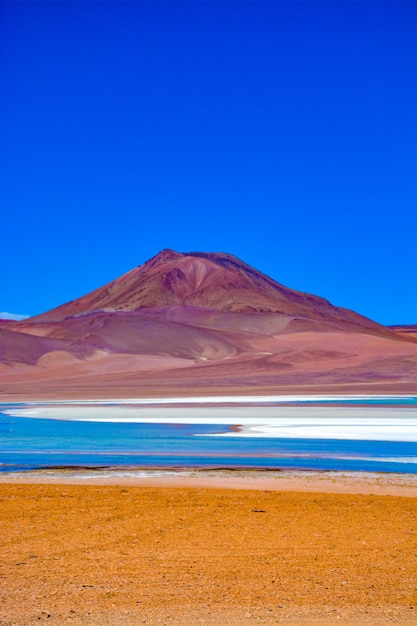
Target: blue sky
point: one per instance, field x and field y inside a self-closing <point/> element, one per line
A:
<point x="284" y="132"/>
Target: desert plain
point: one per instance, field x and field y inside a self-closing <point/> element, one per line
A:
<point x="301" y="549"/>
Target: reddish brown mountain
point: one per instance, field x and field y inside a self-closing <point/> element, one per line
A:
<point x="200" y="322"/>
<point x="214" y="281"/>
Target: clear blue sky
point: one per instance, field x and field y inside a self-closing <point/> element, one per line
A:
<point x="283" y="132"/>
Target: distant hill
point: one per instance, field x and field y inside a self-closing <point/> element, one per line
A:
<point x="405" y="330"/>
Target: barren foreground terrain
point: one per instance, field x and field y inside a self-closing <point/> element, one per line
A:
<point x="126" y="555"/>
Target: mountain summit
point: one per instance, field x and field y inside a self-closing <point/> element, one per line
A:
<point x="215" y="281"/>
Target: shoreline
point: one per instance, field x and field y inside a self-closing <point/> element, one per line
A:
<point x="224" y="399"/>
<point x="120" y="393"/>
<point x="309" y="481"/>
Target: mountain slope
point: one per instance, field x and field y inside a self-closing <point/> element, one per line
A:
<point x="16" y="347"/>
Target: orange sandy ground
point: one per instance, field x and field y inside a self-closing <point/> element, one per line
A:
<point x="127" y="555"/>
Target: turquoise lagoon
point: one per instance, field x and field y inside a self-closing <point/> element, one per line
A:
<point x="327" y="434"/>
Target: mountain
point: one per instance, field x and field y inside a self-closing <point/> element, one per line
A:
<point x="199" y="321"/>
<point x="214" y="281"/>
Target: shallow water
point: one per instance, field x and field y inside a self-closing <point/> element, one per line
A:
<point x="41" y="443"/>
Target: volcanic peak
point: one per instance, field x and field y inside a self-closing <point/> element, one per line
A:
<point x="195" y="266"/>
<point x="216" y="281"/>
<point x="162" y="257"/>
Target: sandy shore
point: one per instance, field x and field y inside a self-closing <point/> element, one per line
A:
<point x="127" y="554"/>
<point x="364" y="483"/>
